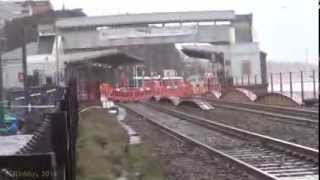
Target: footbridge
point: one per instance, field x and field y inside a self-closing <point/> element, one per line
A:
<point x="134" y="29"/>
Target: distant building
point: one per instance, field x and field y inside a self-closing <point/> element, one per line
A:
<point x="14" y="9"/>
<point x="10" y="10"/>
<point x="40" y="52"/>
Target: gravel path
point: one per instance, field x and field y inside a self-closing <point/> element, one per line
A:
<point x="257" y="123"/>
<point x="181" y="161"/>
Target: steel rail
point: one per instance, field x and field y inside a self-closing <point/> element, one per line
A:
<point x="231" y="160"/>
<point x="306" y="113"/>
<point x="311" y="153"/>
<point x="289" y="119"/>
<point x="307" y="158"/>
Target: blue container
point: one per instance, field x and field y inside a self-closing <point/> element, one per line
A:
<point x="9" y="125"/>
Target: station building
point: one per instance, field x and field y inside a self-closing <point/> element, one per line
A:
<point x="60" y="43"/>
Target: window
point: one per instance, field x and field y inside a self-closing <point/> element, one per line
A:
<point x="172" y="24"/>
<point x="189" y="24"/>
<point x="46" y="44"/>
<point x="156" y="25"/>
<point x="223" y="23"/>
<point x="207" y="23"/>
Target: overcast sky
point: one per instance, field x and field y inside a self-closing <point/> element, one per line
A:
<point x="286" y="29"/>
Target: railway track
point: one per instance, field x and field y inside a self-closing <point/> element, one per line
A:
<point x="300" y="117"/>
<point x="298" y="112"/>
<point x="261" y="156"/>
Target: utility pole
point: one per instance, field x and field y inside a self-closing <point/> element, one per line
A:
<point x="24" y="68"/>
<point x="2" y="42"/>
<point x="57" y="53"/>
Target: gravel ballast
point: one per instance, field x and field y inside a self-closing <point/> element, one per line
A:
<point x="179" y="160"/>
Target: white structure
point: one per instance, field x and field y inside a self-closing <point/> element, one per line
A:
<point x="243" y="58"/>
<point x="40" y="57"/>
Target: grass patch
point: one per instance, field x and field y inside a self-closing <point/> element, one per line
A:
<point x="101" y="151"/>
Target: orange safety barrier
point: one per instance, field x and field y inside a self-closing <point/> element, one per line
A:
<point x="130" y="94"/>
<point x="92" y="90"/>
<point x="138" y="94"/>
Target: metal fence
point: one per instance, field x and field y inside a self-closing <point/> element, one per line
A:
<point x="60" y="129"/>
<point x="302" y="84"/>
<point x="64" y="133"/>
<point x="247" y="80"/>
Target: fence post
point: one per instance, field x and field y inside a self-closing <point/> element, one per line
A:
<point x="290" y="79"/>
<point x="302" y="88"/>
<point x="281" y="88"/>
<point x="208" y="85"/>
<point x="271" y="78"/>
<point x="242" y="80"/>
<point x="59" y="140"/>
<point x="314" y="83"/>
<point x="248" y="79"/>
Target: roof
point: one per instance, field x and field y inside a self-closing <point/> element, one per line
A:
<point x="34" y="2"/>
<point x="11" y="144"/>
<point x="146" y="18"/>
<point x="111" y="57"/>
<point x="16" y="54"/>
<point x="197" y="53"/>
<point x="205" y="51"/>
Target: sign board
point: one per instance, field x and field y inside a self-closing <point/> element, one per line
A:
<point x="140" y="32"/>
<point x="169" y="73"/>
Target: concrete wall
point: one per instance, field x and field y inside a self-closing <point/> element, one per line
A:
<point x="237" y="54"/>
<point x="246" y="52"/>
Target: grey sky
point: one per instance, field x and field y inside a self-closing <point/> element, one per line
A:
<point x="286" y="29"/>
